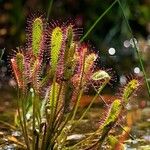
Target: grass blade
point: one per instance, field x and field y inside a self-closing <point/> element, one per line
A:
<point x="98" y="19"/>
<point x="49" y="9"/>
<point x="135" y="48"/>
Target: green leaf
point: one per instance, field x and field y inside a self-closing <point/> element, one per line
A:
<point x="37" y="34"/>
<point x="56" y="45"/>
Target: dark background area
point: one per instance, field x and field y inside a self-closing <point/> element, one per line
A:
<point x="110" y="32"/>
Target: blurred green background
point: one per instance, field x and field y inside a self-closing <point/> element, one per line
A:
<point x="110" y="37"/>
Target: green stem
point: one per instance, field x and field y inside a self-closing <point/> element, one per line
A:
<point x="33" y="124"/>
<point x="8" y="125"/>
<point x="2" y="53"/>
<point x="50" y="121"/>
<point x="55" y="123"/>
<point x="43" y="138"/>
<point x="77" y="105"/>
<point x="81" y="84"/>
<point x="136" y="49"/>
<point x="58" y="111"/>
<point x="49" y="9"/>
<point x="53" y="107"/>
<point x="61" y="127"/>
<point x="95" y="97"/>
<point x="21" y="116"/>
<point x="98" y="19"/>
<point x="24" y="121"/>
<point x="87" y="109"/>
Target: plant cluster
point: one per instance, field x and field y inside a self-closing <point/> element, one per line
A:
<point x="52" y="73"/>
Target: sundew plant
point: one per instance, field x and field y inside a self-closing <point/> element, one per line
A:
<point x="52" y="73"/>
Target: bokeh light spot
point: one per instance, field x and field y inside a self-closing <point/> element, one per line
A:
<point x="111" y="51"/>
